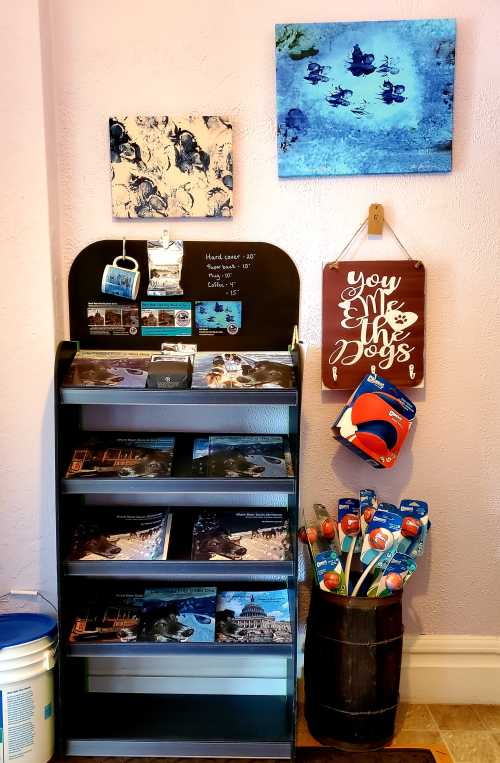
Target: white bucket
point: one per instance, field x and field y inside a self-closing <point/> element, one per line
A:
<point x="27" y="688"/>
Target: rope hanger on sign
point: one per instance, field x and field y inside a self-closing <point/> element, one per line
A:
<point x="374" y="224"/>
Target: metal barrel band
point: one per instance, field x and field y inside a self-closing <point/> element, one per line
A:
<point x="360" y="712"/>
<point x="360" y="643"/>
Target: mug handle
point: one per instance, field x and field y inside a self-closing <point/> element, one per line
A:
<point x="126" y="257"/>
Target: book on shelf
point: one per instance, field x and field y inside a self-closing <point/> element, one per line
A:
<point x="253" y="617"/>
<point x="109" y="368"/>
<point x="248" y="370"/>
<point x="121" y="534"/>
<point x="113" y="619"/>
<point x="241" y="536"/>
<point x="177" y="615"/>
<point x="124" y="457"/>
<point x="242" y="456"/>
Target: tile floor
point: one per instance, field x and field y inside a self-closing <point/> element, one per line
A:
<point x="470" y="733"/>
<point x="465" y="733"/>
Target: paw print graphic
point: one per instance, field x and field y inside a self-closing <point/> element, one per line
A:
<point x="399" y="319"/>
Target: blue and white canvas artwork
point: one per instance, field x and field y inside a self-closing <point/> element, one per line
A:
<point x="359" y="98"/>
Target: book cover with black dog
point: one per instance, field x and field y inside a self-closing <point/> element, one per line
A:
<point x="241" y="536"/>
<point x="249" y="370"/>
<point x="109" y="368"/>
<point x="178" y="615"/>
<point x="120" y="534"/>
<point x="242" y="456"/>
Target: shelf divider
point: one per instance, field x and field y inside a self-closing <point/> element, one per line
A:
<point x="120" y="396"/>
<point x="178" y="748"/>
<point x="82" y="486"/>
<point x="181" y="570"/>
<point x="148" y="649"/>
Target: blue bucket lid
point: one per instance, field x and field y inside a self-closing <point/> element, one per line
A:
<point x="22" y="627"/>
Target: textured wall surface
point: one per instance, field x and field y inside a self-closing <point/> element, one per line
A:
<point x="26" y="311"/>
<point x="201" y="57"/>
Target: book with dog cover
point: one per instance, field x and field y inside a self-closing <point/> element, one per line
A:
<point x="120" y="534"/>
<point x="109" y="368"/>
<point x="248" y="370"/>
<point x="115" y="618"/>
<point x="178" y="615"/>
<point x="125" y="457"/>
<point x="241" y="536"/>
<point x="253" y="617"/>
<point x="242" y="456"/>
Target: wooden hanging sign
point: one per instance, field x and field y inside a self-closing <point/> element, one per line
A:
<point x="373" y="322"/>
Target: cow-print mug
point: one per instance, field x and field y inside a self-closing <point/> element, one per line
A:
<point x="120" y="281"/>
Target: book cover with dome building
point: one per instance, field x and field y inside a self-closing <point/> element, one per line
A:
<point x="253" y="617"/>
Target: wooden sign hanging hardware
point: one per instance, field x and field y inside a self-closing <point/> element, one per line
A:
<point x="334" y="265"/>
<point x="373" y="318"/>
<point x="375" y="220"/>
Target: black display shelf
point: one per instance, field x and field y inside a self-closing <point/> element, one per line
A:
<point x="179" y="726"/>
<point x="144" y="649"/>
<point x="108" y="396"/>
<point x="182" y="570"/>
<point x="130" y="724"/>
<point x="90" y="486"/>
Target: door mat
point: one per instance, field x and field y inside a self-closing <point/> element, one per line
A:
<point x="410" y="755"/>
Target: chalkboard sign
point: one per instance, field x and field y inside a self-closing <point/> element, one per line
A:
<point x="373" y="322"/>
<point x="235" y="296"/>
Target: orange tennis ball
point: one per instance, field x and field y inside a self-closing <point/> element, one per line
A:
<point x="350" y="524"/>
<point x="331" y="580"/>
<point x="368" y="515"/>
<point x="312" y="534"/>
<point x="394" y="581"/>
<point x="410" y="527"/>
<point x="379" y="538"/>
<point x="328" y="528"/>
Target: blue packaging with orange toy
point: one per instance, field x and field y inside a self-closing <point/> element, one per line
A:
<point x="415" y="526"/>
<point x="375" y="422"/>
<point x="394" y="577"/>
<point x="348" y="525"/>
<point x="367" y="506"/>
<point x="382" y="536"/>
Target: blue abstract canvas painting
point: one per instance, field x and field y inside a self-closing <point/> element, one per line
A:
<point x="361" y="98"/>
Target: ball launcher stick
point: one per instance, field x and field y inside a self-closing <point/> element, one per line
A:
<point x="380" y="541"/>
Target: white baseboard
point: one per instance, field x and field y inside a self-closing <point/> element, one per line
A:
<point x="451" y="669"/>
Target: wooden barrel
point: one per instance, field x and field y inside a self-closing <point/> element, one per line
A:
<point x="352" y="666"/>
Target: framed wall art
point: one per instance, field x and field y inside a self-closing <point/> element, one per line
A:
<point x="163" y="166"/>
<point x="360" y="98"/>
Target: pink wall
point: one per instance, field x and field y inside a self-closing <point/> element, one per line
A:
<point x="26" y="311"/>
<point x="219" y="58"/>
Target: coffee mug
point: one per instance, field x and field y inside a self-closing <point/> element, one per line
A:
<point x="121" y="282"/>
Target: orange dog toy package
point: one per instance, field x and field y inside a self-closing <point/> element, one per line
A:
<point x="375" y="422"/>
<point x="320" y="538"/>
<point x="415" y="527"/>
